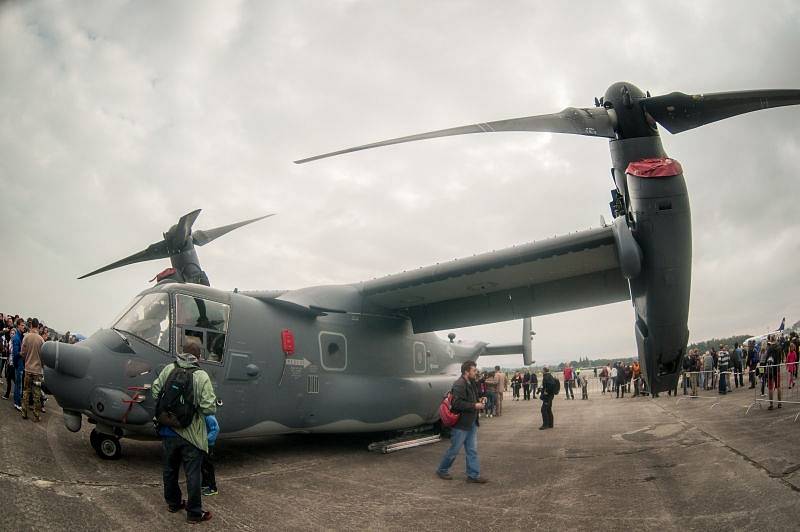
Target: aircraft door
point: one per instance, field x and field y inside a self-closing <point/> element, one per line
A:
<point x="420" y="357"/>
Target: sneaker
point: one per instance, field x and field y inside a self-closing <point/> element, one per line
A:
<point x="5" y="397"/>
<point x="209" y="492"/>
<point x="478" y="480"/>
<point x="444" y="476"/>
<point x="205" y="516"/>
<point x="173" y="509"/>
<point x="44" y="411"/>
<point x="19" y="408"/>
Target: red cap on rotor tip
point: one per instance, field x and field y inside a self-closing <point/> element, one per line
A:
<point x="163" y="275"/>
<point x="658" y="167"/>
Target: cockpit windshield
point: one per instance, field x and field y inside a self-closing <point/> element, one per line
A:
<point x="148" y="320"/>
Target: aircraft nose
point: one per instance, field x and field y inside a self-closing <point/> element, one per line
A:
<point x="69" y="359"/>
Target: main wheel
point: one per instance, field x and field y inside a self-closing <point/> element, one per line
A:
<point x="94" y="439"/>
<point x="106" y="446"/>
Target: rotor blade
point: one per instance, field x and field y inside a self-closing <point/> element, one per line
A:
<point x="178" y="234"/>
<point x="593" y="122"/>
<point x="679" y="112"/>
<point x="158" y="250"/>
<point x="203" y="237"/>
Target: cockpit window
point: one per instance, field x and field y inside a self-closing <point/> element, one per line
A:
<point x="202" y="322"/>
<point x="148" y="319"/>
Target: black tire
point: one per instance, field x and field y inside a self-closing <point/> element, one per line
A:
<point x="108" y="447"/>
<point x="94" y="440"/>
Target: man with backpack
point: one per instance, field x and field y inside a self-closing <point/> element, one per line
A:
<point x="465" y="432"/>
<point x="184" y="396"/>
<point x="549" y="390"/>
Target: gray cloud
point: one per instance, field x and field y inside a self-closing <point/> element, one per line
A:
<point x="119" y="119"/>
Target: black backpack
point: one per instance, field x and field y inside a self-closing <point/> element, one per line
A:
<point x="176" y="406"/>
<point x="556" y="386"/>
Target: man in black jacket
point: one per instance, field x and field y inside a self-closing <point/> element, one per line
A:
<point x="546" y="395"/>
<point x="465" y="431"/>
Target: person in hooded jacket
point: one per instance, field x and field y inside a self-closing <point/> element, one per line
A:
<point x="185" y="446"/>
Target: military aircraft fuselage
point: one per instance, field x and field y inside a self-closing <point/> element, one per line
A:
<point x="276" y="367"/>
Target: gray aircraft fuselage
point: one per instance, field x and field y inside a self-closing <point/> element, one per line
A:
<point x="380" y="377"/>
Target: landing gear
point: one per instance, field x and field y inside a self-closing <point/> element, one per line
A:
<point x="106" y="446"/>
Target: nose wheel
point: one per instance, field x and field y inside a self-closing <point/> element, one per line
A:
<point x="106" y="446"/>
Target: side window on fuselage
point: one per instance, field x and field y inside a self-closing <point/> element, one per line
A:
<point x="202" y="322"/>
<point x="333" y="351"/>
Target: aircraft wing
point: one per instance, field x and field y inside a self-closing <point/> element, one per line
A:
<point x="555" y="275"/>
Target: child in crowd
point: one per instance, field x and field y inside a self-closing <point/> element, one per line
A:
<point x="207" y="468"/>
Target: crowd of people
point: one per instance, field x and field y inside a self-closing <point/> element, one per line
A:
<point x="724" y="369"/>
<point x="20" y="364"/>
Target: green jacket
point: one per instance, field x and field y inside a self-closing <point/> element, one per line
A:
<point x="205" y="399"/>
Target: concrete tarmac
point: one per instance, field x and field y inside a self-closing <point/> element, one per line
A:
<point x="637" y="463"/>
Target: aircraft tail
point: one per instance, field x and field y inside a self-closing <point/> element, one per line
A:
<point x="526" y="347"/>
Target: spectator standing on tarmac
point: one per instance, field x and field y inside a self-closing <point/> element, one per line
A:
<point x="584" y="384"/>
<point x="568" y="377"/>
<point x="9" y="372"/>
<point x="19" y="364"/>
<point x="209" y="484"/>
<point x="762" y="363"/>
<point x="465" y="431"/>
<point x="613" y="376"/>
<point x="502" y="387"/>
<point x="738" y="366"/>
<point x="604" y="374"/>
<point x="752" y="363"/>
<point x="29" y="351"/>
<point x="526" y="386"/>
<point x="708" y="370"/>
<point x="491" y="394"/>
<point x="516" y="384"/>
<point x="186" y="445"/>
<point x="723" y="362"/>
<point x="620" y="380"/>
<point x="773" y="362"/>
<point x="636" y="370"/>
<point x="534" y="383"/>
<point x="546" y="394"/>
<point x="791" y="364"/>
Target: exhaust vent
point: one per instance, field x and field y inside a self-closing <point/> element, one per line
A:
<point x="312" y="384"/>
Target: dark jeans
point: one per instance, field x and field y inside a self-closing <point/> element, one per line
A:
<point x="723" y="382"/>
<point x="547" y="412"/>
<point x="568" y="389"/>
<point x="19" y="380"/>
<point x="209" y="478"/>
<point x="738" y="379"/>
<point x="9" y="379"/>
<point x="178" y="451"/>
<point x="526" y="392"/>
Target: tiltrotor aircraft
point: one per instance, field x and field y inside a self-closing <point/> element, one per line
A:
<point x="319" y="359"/>
<point x="363" y="357"/>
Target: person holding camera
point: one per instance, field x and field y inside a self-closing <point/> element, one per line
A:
<point x="465" y="431"/>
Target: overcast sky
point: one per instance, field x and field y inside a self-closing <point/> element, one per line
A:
<point x="119" y="117"/>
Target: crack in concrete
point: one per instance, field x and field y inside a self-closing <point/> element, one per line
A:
<point x="751" y="461"/>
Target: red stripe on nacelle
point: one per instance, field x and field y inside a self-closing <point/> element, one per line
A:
<point x="660" y="167"/>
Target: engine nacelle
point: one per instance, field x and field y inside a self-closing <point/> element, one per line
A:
<point x="659" y="217"/>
